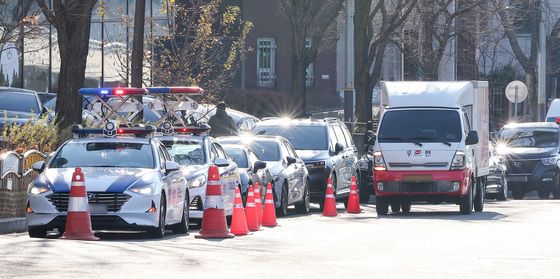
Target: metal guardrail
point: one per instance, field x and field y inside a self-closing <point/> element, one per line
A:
<point x="15" y="175"/>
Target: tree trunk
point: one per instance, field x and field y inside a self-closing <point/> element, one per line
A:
<point x="73" y="42"/>
<point x="364" y="90"/>
<point x="298" y="85"/>
<point x="138" y="43"/>
<point x="430" y="66"/>
<point x="466" y="42"/>
<point x="532" y="99"/>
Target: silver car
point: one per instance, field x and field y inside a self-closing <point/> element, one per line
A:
<point x="132" y="184"/>
<point x="291" y="179"/>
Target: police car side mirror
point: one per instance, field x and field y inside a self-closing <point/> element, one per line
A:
<point x="291" y="160"/>
<point x="221" y="162"/>
<point x="171" y="166"/>
<point x="259" y="165"/>
<point x="38" y="166"/>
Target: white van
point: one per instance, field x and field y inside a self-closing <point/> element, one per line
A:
<point x="432" y="145"/>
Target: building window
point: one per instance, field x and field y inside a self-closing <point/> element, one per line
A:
<point x="309" y="77"/>
<point x="266" y="56"/>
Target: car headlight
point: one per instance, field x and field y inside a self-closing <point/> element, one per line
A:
<point x="379" y="161"/>
<point x="143" y="189"/>
<point x="458" y="162"/>
<point x="37" y="189"/>
<point x="197" y="182"/>
<point x="549" y="161"/>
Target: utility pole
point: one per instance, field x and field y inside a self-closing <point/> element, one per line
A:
<point x="541" y="101"/>
<point x="349" y="106"/>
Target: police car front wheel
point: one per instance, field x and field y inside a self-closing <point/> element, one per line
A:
<point x="159" y="231"/>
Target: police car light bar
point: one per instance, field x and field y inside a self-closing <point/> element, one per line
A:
<point x="78" y="131"/>
<point x="117" y="91"/>
<point x="195" y="90"/>
<point x="167" y="129"/>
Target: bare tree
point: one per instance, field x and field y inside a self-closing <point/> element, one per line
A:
<point x="17" y="22"/>
<point x="72" y="20"/>
<point x="522" y="15"/>
<point x="374" y="24"/>
<point x="203" y="47"/>
<point x="309" y="21"/>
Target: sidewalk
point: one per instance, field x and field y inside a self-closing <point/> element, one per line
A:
<point x="12" y="225"/>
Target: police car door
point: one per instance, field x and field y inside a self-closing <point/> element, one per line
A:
<point x="172" y="189"/>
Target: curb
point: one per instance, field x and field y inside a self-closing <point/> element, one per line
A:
<point x="12" y="225"/>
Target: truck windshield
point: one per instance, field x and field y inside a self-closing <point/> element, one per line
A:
<point x="420" y="126"/>
<point x="529" y="137"/>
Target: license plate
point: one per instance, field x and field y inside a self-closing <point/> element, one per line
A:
<point x="417" y="178"/>
<point x="517" y="178"/>
<point x="97" y="208"/>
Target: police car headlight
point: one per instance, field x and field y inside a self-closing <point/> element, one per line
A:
<point x="197" y="182"/>
<point x="144" y="189"/>
<point x="36" y="189"/>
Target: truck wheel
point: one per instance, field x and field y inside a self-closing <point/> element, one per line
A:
<point x="479" y="197"/>
<point x="543" y="193"/>
<point x="405" y="206"/>
<point x="466" y="203"/>
<point x="396" y="207"/>
<point x="381" y="206"/>
<point x="517" y="192"/>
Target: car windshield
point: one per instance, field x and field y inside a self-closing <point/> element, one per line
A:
<point x="266" y="150"/>
<point x="301" y="137"/>
<point x="18" y="102"/>
<point x="186" y="152"/>
<point x="104" y="154"/>
<point x="420" y="126"/>
<point x="529" y="137"/>
<point x="238" y="156"/>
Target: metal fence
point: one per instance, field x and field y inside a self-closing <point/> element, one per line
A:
<point x="15" y="175"/>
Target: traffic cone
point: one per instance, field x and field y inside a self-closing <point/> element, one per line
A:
<point x="258" y="203"/>
<point x="269" y="214"/>
<point x="250" y="211"/>
<point x="78" y="220"/>
<point x="238" y="221"/>
<point x="329" y="208"/>
<point x="353" y="199"/>
<point x="214" y="217"/>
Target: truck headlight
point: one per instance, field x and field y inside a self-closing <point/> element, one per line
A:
<point x="458" y="162"/>
<point x="379" y="161"/>
<point x="197" y="182"/>
<point x="549" y="161"/>
<point x="147" y="189"/>
<point x="37" y="189"/>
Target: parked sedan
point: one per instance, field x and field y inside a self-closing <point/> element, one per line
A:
<point x="291" y="179"/>
<point x="251" y="169"/>
<point x="496" y="186"/>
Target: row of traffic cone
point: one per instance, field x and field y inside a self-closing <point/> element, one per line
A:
<point x="329" y="208"/>
<point x="252" y="216"/>
<point x="243" y="220"/>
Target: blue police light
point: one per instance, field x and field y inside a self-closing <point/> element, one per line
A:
<point x="176" y="90"/>
<point x="95" y="91"/>
<point x="117" y="91"/>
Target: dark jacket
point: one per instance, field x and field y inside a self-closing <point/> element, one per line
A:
<point x="222" y="124"/>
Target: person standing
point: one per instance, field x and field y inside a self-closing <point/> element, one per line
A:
<point x="221" y="123"/>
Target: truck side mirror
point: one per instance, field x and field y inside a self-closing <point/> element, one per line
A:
<point x="472" y="138"/>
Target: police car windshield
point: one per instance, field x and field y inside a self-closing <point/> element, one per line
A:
<point x="185" y="152"/>
<point x="238" y="156"/>
<point x="104" y="154"/>
<point x="266" y="150"/>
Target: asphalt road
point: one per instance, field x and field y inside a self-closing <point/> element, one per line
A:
<point x="513" y="239"/>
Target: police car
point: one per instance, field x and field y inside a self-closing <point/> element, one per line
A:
<point x="195" y="151"/>
<point x="132" y="183"/>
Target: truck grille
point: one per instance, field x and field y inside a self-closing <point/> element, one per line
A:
<point x="113" y="201"/>
<point x="418" y="187"/>
<point x="522" y="166"/>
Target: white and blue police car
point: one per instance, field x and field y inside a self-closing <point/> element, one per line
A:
<point x="195" y="152"/>
<point x="131" y="181"/>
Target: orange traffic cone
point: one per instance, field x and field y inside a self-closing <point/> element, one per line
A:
<point x="214" y="217"/>
<point x="329" y="208"/>
<point x="269" y="214"/>
<point x="238" y="221"/>
<point x="353" y="199"/>
<point x="78" y="220"/>
<point x="251" y="212"/>
<point x="258" y="203"/>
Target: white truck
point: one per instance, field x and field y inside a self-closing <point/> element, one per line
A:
<point x="432" y="145"/>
